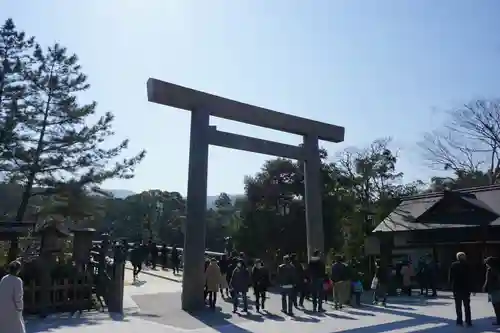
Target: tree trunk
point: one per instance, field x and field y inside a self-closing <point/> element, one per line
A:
<point x="23" y="206"/>
<point x="21" y="211"/>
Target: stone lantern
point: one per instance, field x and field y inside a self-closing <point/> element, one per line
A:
<point x="82" y="245"/>
<point x="51" y="234"/>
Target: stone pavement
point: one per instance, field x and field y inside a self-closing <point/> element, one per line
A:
<point x="149" y="284"/>
<point x="158" y="272"/>
<point x="153" y="306"/>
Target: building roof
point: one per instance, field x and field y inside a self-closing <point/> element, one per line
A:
<point x="406" y="216"/>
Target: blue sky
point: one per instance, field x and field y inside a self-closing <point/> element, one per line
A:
<point x="378" y="67"/>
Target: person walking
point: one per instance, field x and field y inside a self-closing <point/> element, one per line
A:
<point x="406" y="276"/>
<point x="164" y="256"/>
<point x="137" y="257"/>
<point x="260" y="283"/>
<point x="174" y="257"/>
<point x="380" y="283"/>
<point x="240" y="281"/>
<point x="357" y="288"/>
<point x="432" y="276"/>
<point x="205" y="291"/>
<point x="213" y="278"/>
<point x="287" y="278"/>
<point x="316" y="271"/>
<point x="11" y="300"/>
<point x="421" y="275"/>
<point x="153" y="249"/>
<point x="231" y="266"/>
<point x="460" y="283"/>
<point x="299" y="293"/>
<point x="224" y="270"/>
<point x="492" y="285"/>
<point x="341" y="282"/>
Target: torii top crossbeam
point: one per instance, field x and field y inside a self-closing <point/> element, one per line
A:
<point x="176" y="96"/>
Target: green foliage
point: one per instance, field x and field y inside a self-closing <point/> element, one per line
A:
<point x="56" y="142"/>
<point x="14" y="56"/>
<point x="48" y="139"/>
<point x="360" y="189"/>
<point x="223" y="201"/>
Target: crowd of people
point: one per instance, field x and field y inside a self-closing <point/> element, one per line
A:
<point x="232" y="276"/>
<point x="150" y="255"/>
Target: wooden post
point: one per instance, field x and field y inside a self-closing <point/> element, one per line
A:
<point x="50" y="245"/>
<point x="45" y="268"/>
<point x="115" y="297"/>
<point x="386" y="247"/>
<point x="115" y="292"/>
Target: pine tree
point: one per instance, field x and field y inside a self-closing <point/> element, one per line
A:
<point x="58" y="144"/>
<point x="15" y="50"/>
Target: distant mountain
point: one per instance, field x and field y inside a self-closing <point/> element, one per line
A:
<point x="122" y="194"/>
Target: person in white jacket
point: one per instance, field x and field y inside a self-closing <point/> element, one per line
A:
<point x="11" y="300"/>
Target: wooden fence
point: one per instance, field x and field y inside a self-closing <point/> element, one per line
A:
<point x="66" y="295"/>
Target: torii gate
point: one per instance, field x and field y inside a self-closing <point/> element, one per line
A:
<point x="203" y="105"/>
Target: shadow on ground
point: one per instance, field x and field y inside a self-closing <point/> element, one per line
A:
<point x="221" y="319"/>
<point x="427" y="323"/>
<point x="37" y="325"/>
<point x="159" y="273"/>
<point x="164" y="308"/>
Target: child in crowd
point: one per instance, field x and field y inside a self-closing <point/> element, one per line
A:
<point x="357" y="288"/>
<point x="327" y="288"/>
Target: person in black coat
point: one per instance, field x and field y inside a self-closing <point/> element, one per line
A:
<point x="224" y="270"/>
<point x="175" y="258"/>
<point x="231" y="266"/>
<point x="460" y="282"/>
<point x="300" y="287"/>
<point x="317" y="272"/>
<point x="205" y="293"/>
<point x="240" y="281"/>
<point x="137" y="257"/>
<point x="287" y="279"/>
<point x="260" y="283"/>
<point x="153" y="250"/>
<point x="164" y="256"/>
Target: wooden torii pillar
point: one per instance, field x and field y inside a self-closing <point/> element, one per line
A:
<point x="202" y="106"/>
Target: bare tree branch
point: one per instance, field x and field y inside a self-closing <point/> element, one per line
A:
<point x="468" y="142"/>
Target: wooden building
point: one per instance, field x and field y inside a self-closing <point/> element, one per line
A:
<point x="442" y="224"/>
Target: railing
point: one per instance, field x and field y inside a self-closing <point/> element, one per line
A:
<point x="169" y="248"/>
